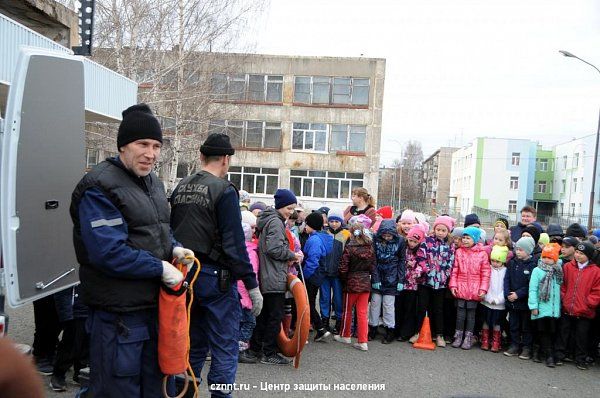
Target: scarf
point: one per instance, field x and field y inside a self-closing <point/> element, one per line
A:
<point x="554" y="270"/>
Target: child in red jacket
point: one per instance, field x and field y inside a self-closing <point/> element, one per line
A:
<point x="469" y="283"/>
<point x="580" y="295"/>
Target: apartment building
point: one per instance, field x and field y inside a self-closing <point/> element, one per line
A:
<point x="436" y="178"/>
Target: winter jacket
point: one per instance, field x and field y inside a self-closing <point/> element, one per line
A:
<point x="580" y="291"/>
<point x="353" y="211"/>
<point x="340" y="238"/>
<point x="440" y="259"/>
<point x="273" y="252"/>
<point x="494" y="298"/>
<point x="517" y="230"/>
<point x="356" y="267"/>
<point x="252" y="249"/>
<point x="317" y="256"/>
<point x="391" y="259"/>
<point x="470" y="273"/>
<point x="518" y="273"/>
<point x="416" y="264"/>
<point x="547" y="309"/>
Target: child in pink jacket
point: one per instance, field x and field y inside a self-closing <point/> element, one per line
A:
<point x="469" y="283"/>
<point x="247" y="321"/>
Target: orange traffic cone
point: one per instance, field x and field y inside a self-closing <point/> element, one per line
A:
<point x="424" y="342"/>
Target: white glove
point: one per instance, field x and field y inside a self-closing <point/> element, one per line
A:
<point x="257" y="301"/>
<point x="171" y="276"/>
<point x="184" y="256"/>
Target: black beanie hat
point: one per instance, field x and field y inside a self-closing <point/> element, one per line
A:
<point x="587" y="248"/>
<point x="315" y="220"/>
<point x="533" y="231"/>
<point x="217" y="144"/>
<point x="554" y="230"/>
<point x="576" y="230"/>
<point x="471" y="219"/>
<point x="138" y="123"/>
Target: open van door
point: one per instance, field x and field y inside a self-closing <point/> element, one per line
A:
<point x="42" y="159"/>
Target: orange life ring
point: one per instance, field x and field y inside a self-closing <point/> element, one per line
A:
<point x="293" y="347"/>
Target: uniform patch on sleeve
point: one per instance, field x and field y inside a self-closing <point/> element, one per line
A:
<point x="113" y="222"/>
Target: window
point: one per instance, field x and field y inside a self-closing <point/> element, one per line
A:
<point x="310" y="137"/>
<point x="516" y="158"/>
<point x="542" y="187"/>
<point x="324" y="184"/>
<point x="241" y="87"/>
<point x="565" y="162"/>
<point x="572" y="209"/>
<point x="574" y="187"/>
<point x="514" y="182"/>
<point x="249" y="134"/>
<point x="255" y="180"/>
<point x="331" y="90"/>
<point x="543" y="165"/>
<point x="564" y="186"/>
<point x="512" y="206"/>
<point x="348" y="138"/>
<point x="91" y="157"/>
<point x="575" y="160"/>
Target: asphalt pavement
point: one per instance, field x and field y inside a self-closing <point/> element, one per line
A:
<point x="332" y="369"/>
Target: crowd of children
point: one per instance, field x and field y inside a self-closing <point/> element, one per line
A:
<point x="535" y="294"/>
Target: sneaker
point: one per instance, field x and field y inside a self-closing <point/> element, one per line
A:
<point x="44" y="367"/>
<point x="247" y="356"/>
<point x="582" y="365"/>
<point x="414" y="339"/>
<point x="525" y="354"/>
<point x="345" y="340"/>
<point x="568" y="359"/>
<point x="275" y="359"/>
<point x="322" y="334"/>
<point x="550" y="362"/>
<point x="440" y="341"/>
<point x="58" y="383"/>
<point x="512" y="351"/>
<point x="361" y="346"/>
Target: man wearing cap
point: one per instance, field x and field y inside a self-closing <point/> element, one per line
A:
<point x="124" y="244"/>
<point x="205" y="216"/>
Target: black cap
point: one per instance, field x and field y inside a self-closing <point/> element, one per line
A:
<point x="587" y="248"/>
<point x="138" y="123"/>
<point x="570" y="241"/>
<point x="217" y="144"/>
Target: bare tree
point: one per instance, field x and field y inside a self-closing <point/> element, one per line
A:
<point x="166" y="46"/>
<point x="412" y="172"/>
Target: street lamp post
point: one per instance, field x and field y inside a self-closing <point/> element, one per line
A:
<point x="591" y="209"/>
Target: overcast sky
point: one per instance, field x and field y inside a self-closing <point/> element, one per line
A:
<point x="458" y="69"/>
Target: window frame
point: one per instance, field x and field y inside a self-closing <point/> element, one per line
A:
<point x="244" y="144"/>
<point x="514" y="183"/>
<point x="314" y="137"/>
<point x="354" y="81"/>
<point x="512" y="205"/>
<point x="515" y="159"/>
<point x="96" y="155"/>
<point x="242" y="172"/>
<point x="267" y="81"/>
<point x="543" y="184"/>
<point x="305" y="176"/>
<point x="544" y="163"/>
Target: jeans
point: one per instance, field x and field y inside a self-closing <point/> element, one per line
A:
<point x="329" y="284"/>
<point x="247" y="324"/>
<point x="268" y="324"/>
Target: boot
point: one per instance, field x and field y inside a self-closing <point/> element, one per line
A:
<point x="389" y="336"/>
<point x="496" y="340"/>
<point x="468" y="341"/>
<point x="485" y="339"/>
<point x="325" y="323"/>
<point x="458" y="337"/>
<point x="372" y="332"/>
<point x="338" y="327"/>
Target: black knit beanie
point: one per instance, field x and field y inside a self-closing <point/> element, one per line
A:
<point x="315" y="220"/>
<point x="587" y="248"/>
<point x="533" y="231"/>
<point x="217" y="144"/>
<point x="138" y="123"/>
<point x="576" y="230"/>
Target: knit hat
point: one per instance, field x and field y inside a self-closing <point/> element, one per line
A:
<point x="138" y="123"/>
<point x="361" y="219"/>
<point x="315" y="221"/>
<point x="446" y="221"/>
<point x="570" y="241"/>
<point x="471" y="219"/>
<point x="501" y="220"/>
<point x="554" y="230"/>
<point x="551" y="250"/>
<point x="483" y="236"/>
<point x="247" y="231"/>
<point x="533" y="231"/>
<point x="457" y="231"/>
<point x="408" y="215"/>
<point x="593" y="239"/>
<point x="587" y="248"/>
<point x="385" y="212"/>
<point x="499" y="253"/>
<point x="473" y="232"/>
<point x="417" y="233"/>
<point x="284" y="197"/>
<point x="258" y="206"/>
<point x="576" y="230"/>
<point x="217" y="144"/>
<point x="335" y="215"/>
<point x="596" y="233"/>
<point x="526" y="243"/>
<point x="322" y="210"/>
<point x="244" y="196"/>
<point x="544" y="238"/>
<point x="249" y="218"/>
